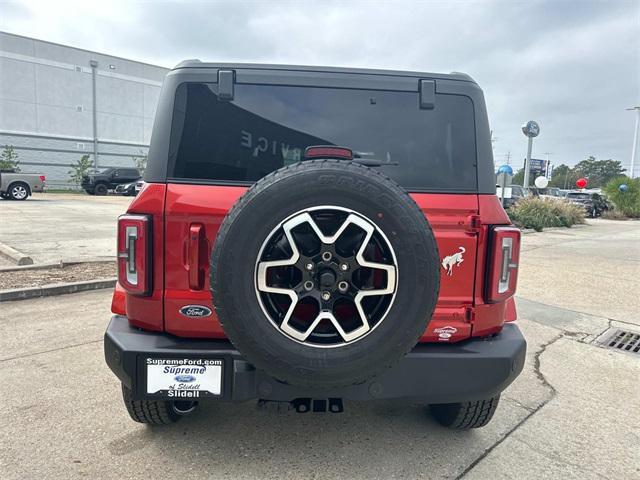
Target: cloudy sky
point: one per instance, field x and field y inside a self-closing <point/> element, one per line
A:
<point x="574" y="66"/>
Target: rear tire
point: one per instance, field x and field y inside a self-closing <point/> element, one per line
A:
<point x="18" y="191"/>
<point x="153" y="412"/>
<point x="100" y="189"/>
<point x="465" y="415"/>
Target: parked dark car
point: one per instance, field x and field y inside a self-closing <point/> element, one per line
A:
<point x="517" y="192"/>
<point x="593" y="203"/>
<point x="550" y="192"/>
<point x="129" y="189"/>
<point x="101" y="182"/>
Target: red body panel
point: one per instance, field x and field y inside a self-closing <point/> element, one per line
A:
<point x="186" y="219"/>
<point x="119" y="300"/>
<point x="510" y="313"/>
<point x="189" y="205"/>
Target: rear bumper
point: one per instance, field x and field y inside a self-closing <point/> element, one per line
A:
<point x="430" y="373"/>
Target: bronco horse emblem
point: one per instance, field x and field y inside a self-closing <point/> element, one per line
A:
<point x="450" y="260"/>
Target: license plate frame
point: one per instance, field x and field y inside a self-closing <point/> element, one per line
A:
<point x="179" y="378"/>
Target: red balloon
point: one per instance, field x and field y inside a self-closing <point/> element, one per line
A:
<point x="581" y="182"/>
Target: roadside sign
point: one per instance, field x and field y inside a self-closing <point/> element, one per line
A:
<point x="531" y="129"/>
<point x="538" y="165"/>
<point x="503" y="193"/>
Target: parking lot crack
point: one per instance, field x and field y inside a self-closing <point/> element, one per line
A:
<point x="18" y="357"/>
<point x="521" y="405"/>
<point x="531" y="411"/>
<point x="557" y="458"/>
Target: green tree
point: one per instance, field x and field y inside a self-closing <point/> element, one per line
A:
<point x="518" y="177"/>
<point x="80" y="169"/>
<point x="140" y="161"/>
<point x="9" y="159"/>
<point x="562" y="177"/>
<point x="598" y="172"/>
<point x="627" y="202"/>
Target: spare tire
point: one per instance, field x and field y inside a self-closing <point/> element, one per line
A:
<point x="324" y="273"/>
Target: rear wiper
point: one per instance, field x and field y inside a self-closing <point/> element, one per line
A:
<point x="372" y="162"/>
<point x="367" y="159"/>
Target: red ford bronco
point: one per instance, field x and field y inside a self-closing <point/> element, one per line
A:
<point x="307" y="235"/>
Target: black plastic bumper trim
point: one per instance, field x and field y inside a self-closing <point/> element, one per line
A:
<point x="431" y="373"/>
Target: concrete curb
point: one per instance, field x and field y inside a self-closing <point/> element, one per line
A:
<point x="527" y="231"/>
<point x="55" y="289"/>
<point x="59" y="264"/>
<point x="35" y="266"/>
<point x="14" y="255"/>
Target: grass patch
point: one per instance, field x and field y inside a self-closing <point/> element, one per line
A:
<point x="614" y="215"/>
<point x="64" y="190"/>
<point x="538" y="213"/>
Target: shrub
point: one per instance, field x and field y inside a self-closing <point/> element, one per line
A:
<point x="80" y="169"/>
<point x="140" y="161"/>
<point x="627" y="203"/>
<point x="9" y="159"/>
<point x="539" y="213"/>
<point x="614" y="215"/>
<point x="569" y="213"/>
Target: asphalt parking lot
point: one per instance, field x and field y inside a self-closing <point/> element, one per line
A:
<point x="50" y="227"/>
<point x="573" y="413"/>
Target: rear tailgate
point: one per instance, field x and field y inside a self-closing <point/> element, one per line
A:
<point x="453" y="218"/>
<point x="193" y="214"/>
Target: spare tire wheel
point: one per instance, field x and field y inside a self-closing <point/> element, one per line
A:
<point x="324" y="274"/>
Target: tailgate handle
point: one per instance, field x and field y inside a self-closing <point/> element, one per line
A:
<point x="197" y="244"/>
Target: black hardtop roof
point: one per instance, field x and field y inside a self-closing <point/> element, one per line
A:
<point x="194" y="63"/>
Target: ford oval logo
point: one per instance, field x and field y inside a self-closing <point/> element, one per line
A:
<point x="184" y="378"/>
<point x="195" y="311"/>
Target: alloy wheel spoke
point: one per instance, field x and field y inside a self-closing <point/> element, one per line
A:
<point x="285" y="325"/>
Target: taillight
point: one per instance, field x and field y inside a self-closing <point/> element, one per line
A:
<point x="328" y="151"/>
<point x="134" y="253"/>
<point x="503" y="264"/>
<point x="42" y="178"/>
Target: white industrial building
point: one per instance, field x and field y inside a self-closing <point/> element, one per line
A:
<point x="58" y="103"/>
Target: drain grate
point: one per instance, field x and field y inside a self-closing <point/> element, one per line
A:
<point x="624" y="341"/>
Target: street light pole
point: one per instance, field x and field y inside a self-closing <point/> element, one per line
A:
<point x="530" y="129"/>
<point x="634" y="150"/>
<point x="527" y="163"/>
<point x="94" y="68"/>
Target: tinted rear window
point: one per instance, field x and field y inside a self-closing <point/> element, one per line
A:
<point x="267" y="127"/>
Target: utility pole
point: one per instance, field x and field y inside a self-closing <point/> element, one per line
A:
<point x="94" y="71"/>
<point x="634" y="150"/>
